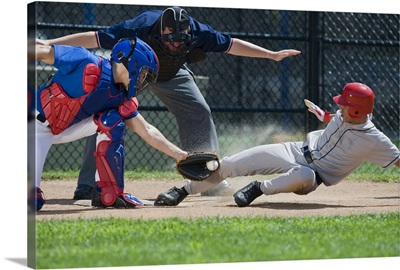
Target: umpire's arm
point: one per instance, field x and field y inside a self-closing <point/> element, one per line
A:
<point x="243" y="48"/>
<point x="43" y="53"/>
<point x="84" y="39"/>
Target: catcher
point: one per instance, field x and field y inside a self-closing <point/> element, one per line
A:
<point x="90" y="94"/>
<point x="326" y="157"/>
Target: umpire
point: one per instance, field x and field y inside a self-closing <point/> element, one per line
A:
<point x="177" y="39"/>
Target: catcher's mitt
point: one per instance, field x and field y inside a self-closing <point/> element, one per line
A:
<point x="194" y="166"/>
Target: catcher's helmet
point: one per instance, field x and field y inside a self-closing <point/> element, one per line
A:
<point x="140" y="61"/>
<point x="359" y="97"/>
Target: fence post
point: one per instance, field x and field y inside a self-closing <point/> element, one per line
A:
<point x="314" y="32"/>
<point x="89" y="14"/>
<point x="283" y="67"/>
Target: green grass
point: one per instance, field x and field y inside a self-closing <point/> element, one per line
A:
<point x="123" y="242"/>
<point x="374" y="173"/>
<point x="367" y="171"/>
<point x="138" y="174"/>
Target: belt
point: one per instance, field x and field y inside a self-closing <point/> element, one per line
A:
<point x="308" y="157"/>
<point x="42" y="119"/>
<point x="307" y="154"/>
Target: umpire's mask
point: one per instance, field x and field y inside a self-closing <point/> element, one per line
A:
<point x="177" y="19"/>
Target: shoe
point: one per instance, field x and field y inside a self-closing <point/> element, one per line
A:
<point x="40" y="201"/>
<point x="222" y="189"/>
<point x="126" y="200"/>
<point x="171" y="198"/>
<point x="249" y="193"/>
<point x="83" y="192"/>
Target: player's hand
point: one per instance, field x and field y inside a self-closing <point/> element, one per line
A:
<point x="280" y="55"/>
<point x="321" y="115"/>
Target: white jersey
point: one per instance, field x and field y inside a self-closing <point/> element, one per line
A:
<point x="342" y="147"/>
<point x="336" y="152"/>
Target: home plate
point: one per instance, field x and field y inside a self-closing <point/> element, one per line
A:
<point x="88" y="203"/>
<point x="147" y="203"/>
<point x="83" y="203"/>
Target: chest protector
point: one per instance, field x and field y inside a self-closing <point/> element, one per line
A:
<point x="169" y="66"/>
<point x="59" y="108"/>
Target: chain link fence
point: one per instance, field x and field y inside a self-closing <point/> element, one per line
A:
<point x="253" y="101"/>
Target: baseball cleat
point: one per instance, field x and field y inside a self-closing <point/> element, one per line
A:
<point x="40" y="201"/>
<point x="171" y="198"/>
<point x="130" y="199"/>
<point x="83" y="192"/>
<point x="249" y="193"/>
<point x="126" y="200"/>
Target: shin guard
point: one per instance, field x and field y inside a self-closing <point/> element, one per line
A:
<point x="111" y="183"/>
<point x="110" y="156"/>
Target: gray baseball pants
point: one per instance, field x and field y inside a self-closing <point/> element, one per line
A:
<point x="285" y="159"/>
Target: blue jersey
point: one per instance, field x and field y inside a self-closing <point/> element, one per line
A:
<point x="146" y="26"/>
<point x="207" y="39"/>
<point x="70" y="63"/>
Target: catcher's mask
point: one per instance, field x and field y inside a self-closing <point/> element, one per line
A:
<point x="177" y="19"/>
<point x="140" y="61"/>
<point x="359" y="97"/>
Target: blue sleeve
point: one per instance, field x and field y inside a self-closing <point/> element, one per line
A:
<point x="69" y="58"/>
<point x="208" y="39"/>
<point x="70" y="62"/>
<point x="140" y="26"/>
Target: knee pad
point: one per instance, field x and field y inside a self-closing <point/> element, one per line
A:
<point x="111" y="123"/>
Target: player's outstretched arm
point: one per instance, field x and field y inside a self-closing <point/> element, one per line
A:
<point x="243" y="48"/>
<point x="319" y="113"/>
<point x="84" y="39"/>
<point x="154" y="137"/>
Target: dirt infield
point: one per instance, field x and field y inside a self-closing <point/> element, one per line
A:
<point x="346" y="198"/>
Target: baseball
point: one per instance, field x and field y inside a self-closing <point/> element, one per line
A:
<point x="212" y="165"/>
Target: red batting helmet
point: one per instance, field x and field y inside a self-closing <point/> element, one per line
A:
<point x="359" y="97"/>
